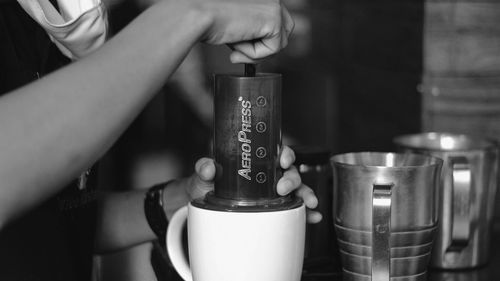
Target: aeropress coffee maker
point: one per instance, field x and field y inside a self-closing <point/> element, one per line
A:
<point x="243" y="230"/>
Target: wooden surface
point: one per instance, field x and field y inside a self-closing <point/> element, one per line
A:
<point x="462" y="38"/>
<point x="490" y="272"/>
<point x="461" y="75"/>
<point x="468" y="105"/>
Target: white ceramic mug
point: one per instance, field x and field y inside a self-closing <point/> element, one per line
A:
<point x="238" y="246"/>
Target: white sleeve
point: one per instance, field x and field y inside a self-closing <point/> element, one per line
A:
<point x="78" y="28"/>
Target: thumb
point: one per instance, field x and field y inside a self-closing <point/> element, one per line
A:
<point x="202" y="180"/>
<point x="205" y="169"/>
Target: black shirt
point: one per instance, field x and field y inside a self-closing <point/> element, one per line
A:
<point x="53" y="242"/>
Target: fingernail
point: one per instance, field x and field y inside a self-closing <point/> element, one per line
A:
<point x="204" y="165"/>
<point x="314" y="217"/>
<point x="318" y="217"/>
<point x="205" y="169"/>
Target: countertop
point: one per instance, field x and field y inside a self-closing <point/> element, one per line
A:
<point x="326" y="270"/>
<point x="490" y="272"/>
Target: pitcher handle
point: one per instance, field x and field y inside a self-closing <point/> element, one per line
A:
<point x="174" y="247"/>
<point x="381" y="232"/>
<point x="461" y="188"/>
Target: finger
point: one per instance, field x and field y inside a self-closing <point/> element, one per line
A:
<point x="205" y="169"/>
<point x="313" y="216"/>
<point x="272" y="43"/>
<point x="259" y="49"/>
<point x="288" y="22"/>
<point x="239" y="57"/>
<point x="289" y="182"/>
<point x="287" y="157"/>
<point x="284" y="39"/>
<point x="198" y="187"/>
<point x="287" y="27"/>
<point x="307" y="194"/>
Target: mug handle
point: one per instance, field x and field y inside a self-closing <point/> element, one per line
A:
<point x="381" y="232"/>
<point x="174" y="243"/>
<point x="461" y="186"/>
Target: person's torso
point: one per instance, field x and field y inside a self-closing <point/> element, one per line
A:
<point x="54" y="241"/>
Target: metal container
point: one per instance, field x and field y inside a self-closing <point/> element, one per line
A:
<point x="399" y="267"/>
<point x="385" y="193"/>
<point x="413" y="180"/>
<point x="468" y="188"/>
<point x="351" y="276"/>
<point x="397" y="239"/>
<point x="396" y="252"/>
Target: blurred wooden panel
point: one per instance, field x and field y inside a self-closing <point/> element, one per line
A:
<point x="461" y="84"/>
<point x="462" y="37"/>
<point x="468" y="105"/>
<point x="465" y="53"/>
<point x="462" y="15"/>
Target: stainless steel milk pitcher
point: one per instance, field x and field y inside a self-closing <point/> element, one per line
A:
<point x="385" y="203"/>
<point x="468" y="188"/>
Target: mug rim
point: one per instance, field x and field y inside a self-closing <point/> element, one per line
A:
<point x="427" y="161"/>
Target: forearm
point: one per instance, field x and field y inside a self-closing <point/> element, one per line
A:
<point x="121" y="219"/>
<point x="58" y="126"/>
<point x="190" y="80"/>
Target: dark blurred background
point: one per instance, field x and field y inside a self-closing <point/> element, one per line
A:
<point x="355" y="75"/>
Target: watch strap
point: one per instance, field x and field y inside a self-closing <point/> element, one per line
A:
<point x="154" y="211"/>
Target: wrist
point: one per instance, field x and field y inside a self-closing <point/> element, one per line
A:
<point x="192" y="16"/>
<point x="201" y="16"/>
<point x="154" y="211"/>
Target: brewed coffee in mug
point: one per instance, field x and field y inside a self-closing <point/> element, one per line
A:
<point x="468" y="187"/>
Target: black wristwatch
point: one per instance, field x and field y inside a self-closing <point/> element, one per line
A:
<point x="155" y="213"/>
